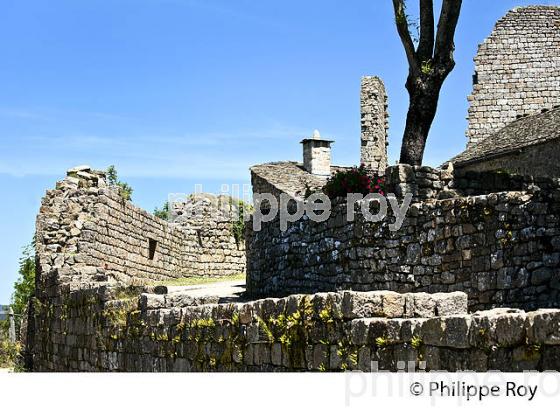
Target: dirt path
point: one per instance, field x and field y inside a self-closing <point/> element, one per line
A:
<point x="232" y="290"/>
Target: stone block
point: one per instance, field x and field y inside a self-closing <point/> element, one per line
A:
<point x="420" y="305"/>
<point x="448" y="304"/>
<point x="498" y="327"/>
<point x="149" y="301"/>
<point x="411" y="328"/>
<point x="543" y="327"/>
<point x="450" y="331"/>
<point x="276" y="354"/>
<point x="541" y="276"/>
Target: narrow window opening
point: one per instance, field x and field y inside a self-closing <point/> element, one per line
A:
<point x="152" y="247"/>
<point x="199" y="236"/>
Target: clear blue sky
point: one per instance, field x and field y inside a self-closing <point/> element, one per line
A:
<point x="180" y="92"/>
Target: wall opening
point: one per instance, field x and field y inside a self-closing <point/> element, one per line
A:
<point x="152" y="247"/>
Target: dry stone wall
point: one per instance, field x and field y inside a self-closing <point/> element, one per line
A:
<point x="517" y="70"/>
<point x="111" y="329"/>
<point x="502" y="249"/>
<point x="86" y="232"/>
<point x="209" y="221"/>
<point x="421" y="182"/>
<point x="374" y="124"/>
<point x="426" y="183"/>
<point x="540" y="160"/>
<point x="89" y="314"/>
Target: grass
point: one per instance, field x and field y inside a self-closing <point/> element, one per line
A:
<point x="198" y="280"/>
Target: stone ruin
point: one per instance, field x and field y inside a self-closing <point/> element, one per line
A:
<point x="470" y="282"/>
<point x="517" y="70"/>
<point x="374" y="124"/>
<point x="87" y="232"/>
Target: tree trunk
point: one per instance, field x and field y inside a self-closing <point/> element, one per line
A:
<point x="429" y="65"/>
<point x="424" y="96"/>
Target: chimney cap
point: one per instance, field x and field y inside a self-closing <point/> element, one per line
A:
<point x="316" y="137"/>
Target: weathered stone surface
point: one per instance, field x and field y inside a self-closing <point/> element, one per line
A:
<point x="498" y="327"/>
<point x="468" y="244"/>
<point x="101" y="329"/>
<point x="543" y="326"/>
<point x="448" y="304"/>
<point x="491" y="235"/>
<point x="420" y="305"/>
<point x="516" y="70"/>
<point x="79" y="168"/>
<point x="374" y="124"/>
<point x="449" y="331"/>
<point x="116" y="238"/>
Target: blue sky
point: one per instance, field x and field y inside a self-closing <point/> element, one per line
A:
<point x="183" y="92"/>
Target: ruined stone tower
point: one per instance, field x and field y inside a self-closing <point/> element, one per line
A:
<point x="373" y="103"/>
<point x="517" y="70"/>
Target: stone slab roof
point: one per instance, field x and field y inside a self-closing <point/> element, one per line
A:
<point x="524" y="132"/>
<point x="291" y="177"/>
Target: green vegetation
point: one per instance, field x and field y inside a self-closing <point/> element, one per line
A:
<point x="113" y="180"/>
<point x="24" y="288"/>
<point x="326" y="316"/>
<point x="381" y="342"/>
<point x="162" y="213"/>
<point x="238" y="224"/>
<point x="239" y="210"/>
<point x="416" y="342"/>
<point x="427" y="67"/>
<point x="9" y="352"/>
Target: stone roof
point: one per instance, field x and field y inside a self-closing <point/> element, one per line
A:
<point x="291" y="177"/>
<point x="524" y="132"/>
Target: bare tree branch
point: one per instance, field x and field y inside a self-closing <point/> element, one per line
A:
<point x="448" y="19"/>
<point x="404" y="34"/>
<point x="429" y="65"/>
<point x="427" y="32"/>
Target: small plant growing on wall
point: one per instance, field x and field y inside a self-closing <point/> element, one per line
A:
<point x="357" y="180"/>
<point x="125" y="190"/>
<point x="162" y="213"/>
<point x="241" y="209"/>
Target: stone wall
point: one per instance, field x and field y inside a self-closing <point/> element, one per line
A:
<point x="87" y="232"/>
<point x="539" y="160"/>
<point x="374" y="123"/>
<point x="421" y="182"/>
<point x="517" y="70"/>
<point x="218" y="249"/>
<point x="426" y="183"/>
<point x="261" y="185"/>
<point x="502" y="249"/>
<point x="112" y="329"/>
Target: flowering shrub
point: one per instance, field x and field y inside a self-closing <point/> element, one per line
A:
<point x="354" y="181"/>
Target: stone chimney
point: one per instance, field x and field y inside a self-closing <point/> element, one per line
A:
<point x="373" y="103"/>
<point x="317" y="155"/>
